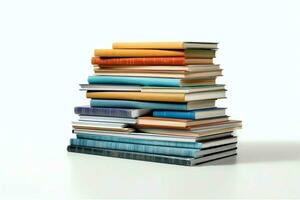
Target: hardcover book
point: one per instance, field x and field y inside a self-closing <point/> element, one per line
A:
<point x="152" y="157"/>
<point x="195" y="114"/>
<point x="150" y="61"/>
<point x="165" y="45"/>
<point x="148" y="81"/>
<point x="190" y="53"/>
<point x="111" y="112"/>
<point x="110" y="103"/>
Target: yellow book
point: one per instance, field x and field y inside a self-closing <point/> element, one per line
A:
<point x="136" y="53"/>
<point x="165" y="45"/>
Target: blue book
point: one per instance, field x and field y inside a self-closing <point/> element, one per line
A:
<point x="195" y="145"/>
<point x="124" y="80"/>
<point x="151" y="105"/>
<point x="175" y="151"/>
<point x="195" y="114"/>
<point x="110" y="112"/>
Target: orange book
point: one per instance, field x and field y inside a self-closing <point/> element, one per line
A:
<point x="147" y="61"/>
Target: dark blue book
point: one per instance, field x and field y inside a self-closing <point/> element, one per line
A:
<point x="194" y="114"/>
<point x="110" y="112"/>
<point x="154" y="157"/>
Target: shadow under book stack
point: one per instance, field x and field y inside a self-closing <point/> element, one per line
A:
<point x="155" y="101"/>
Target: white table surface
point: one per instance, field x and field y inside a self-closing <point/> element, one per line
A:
<point x="263" y="169"/>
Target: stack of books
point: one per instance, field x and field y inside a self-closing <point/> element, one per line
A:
<point x="155" y="101"/>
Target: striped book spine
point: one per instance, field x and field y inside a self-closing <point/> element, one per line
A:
<point x="131" y="155"/>
<point x="139" y="61"/>
<point x="98" y="111"/>
<point x="194" y="145"/>
<point x="175" y="151"/>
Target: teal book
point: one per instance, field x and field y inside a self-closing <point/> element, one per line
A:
<point x="124" y="80"/>
<point x="110" y="103"/>
<point x="175" y="151"/>
<point x="194" y="145"/>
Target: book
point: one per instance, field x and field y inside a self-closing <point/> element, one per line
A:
<point x="201" y="127"/>
<point x="149" y="136"/>
<point x="195" y="114"/>
<point x="177" y="123"/>
<point x="165" y="45"/>
<point x="156" y="96"/>
<point x="151" y="157"/>
<point x="137" y="147"/>
<point x="151" y="61"/>
<point x="90" y="125"/>
<point x="181" y="75"/>
<point x="110" y="103"/>
<point x="147" y="81"/>
<point x="109" y="87"/>
<point x="167" y="143"/>
<point x="190" y="53"/>
<point x="111" y="112"/>
<point x="107" y="119"/>
<point x="163" y="68"/>
<point x="185" y="90"/>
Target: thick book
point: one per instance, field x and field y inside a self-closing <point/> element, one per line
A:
<point x="147" y="81"/>
<point x="151" y="61"/>
<point x="189" y="53"/>
<point x="177" y="123"/>
<point x="124" y="139"/>
<point x="164" y="150"/>
<point x="165" y="45"/>
<point x="161" y="68"/>
<point x="156" y="96"/>
<point x="110" y="103"/>
<point x="167" y="74"/>
<point x="111" y="112"/>
<point x="152" y="157"/>
<point x="194" y="114"/>
<point x="149" y="136"/>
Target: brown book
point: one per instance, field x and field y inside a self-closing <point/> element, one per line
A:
<point x="157" y="122"/>
<point x="155" y="96"/>
<point x="162" y="74"/>
<point x="142" y="61"/>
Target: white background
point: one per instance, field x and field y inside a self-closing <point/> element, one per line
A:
<point x="45" y="50"/>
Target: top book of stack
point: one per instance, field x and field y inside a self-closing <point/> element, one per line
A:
<point x="156" y="53"/>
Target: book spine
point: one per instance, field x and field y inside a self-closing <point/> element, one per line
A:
<point x="108" y="112"/>
<point x="139" y="96"/>
<point x="174" y="114"/>
<point x="164" y="82"/>
<point x="192" y="145"/>
<point x="130" y="155"/>
<point x="185" y="152"/>
<point x="137" y="104"/>
<point x="142" y="61"/>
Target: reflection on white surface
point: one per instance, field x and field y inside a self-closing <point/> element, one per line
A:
<point x="262" y="169"/>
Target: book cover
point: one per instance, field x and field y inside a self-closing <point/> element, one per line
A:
<point x="147" y="61"/>
<point x="140" y="141"/>
<point x="110" y="112"/>
<point x="176" y="151"/>
<point x="151" y="105"/>
<point x="165" y="45"/>
<point x="136" y="53"/>
<point x="151" y="157"/>
<point x="195" y="114"/>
